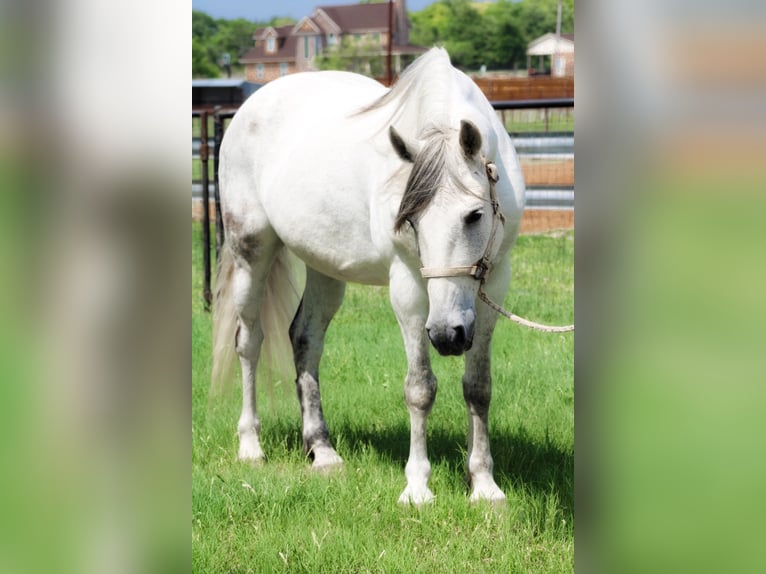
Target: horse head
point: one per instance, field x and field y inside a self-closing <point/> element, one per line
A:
<point x="449" y="202"/>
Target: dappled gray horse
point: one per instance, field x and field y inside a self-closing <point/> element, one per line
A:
<point x="417" y="187"/>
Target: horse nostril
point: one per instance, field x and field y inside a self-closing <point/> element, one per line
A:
<point x="459" y="335"/>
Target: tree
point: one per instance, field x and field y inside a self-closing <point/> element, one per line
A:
<point x="466" y="32"/>
<point x="538" y="17"/>
<point x="506" y="45"/>
<point x="202" y="64"/>
<point x="495" y="34"/>
<point x="429" y="26"/>
<point x="362" y="56"/>
<point x="233" y="37"/>
<point x="204" y="29"/>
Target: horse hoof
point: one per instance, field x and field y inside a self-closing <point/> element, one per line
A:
<point x="326" y="461"/>
<point x="251" y="453"/>
<point x="494" y="496"/>
<point x="257" y="460"/>
<point x="416" y="496"/>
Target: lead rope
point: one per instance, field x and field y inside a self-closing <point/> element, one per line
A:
<point x="480" y="270"/>
<point x="521" y="320"/>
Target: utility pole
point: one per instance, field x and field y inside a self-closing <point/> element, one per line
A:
<point x="389" y="77"/>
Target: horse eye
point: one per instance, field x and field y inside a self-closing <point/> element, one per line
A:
<point x="473" y="217"/>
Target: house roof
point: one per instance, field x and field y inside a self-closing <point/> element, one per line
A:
<point x="358" y="17"/>
<point x="548" y="44"/>
<point x="286" y="44"/>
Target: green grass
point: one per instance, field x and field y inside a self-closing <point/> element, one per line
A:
<point x="282" y="517"/>
<point x="527" y="121"/>
<point x="197" y="169"/>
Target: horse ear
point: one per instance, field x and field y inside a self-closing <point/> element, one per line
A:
<point x="470" y="138"/>
<point x="402" y="149"/>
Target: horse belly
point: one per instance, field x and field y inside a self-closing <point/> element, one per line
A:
<point x="334" y="247"/>
<point x="324" y="218"/>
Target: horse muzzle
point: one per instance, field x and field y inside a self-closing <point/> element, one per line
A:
<point x="452" y="338"/>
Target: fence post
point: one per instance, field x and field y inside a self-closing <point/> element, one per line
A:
<point x="203" y="157"/>
<point x="218" y="128"/>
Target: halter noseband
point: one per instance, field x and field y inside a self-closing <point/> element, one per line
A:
<point x="479" y="269"/>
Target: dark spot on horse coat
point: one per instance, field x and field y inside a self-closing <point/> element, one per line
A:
<point x="245" y="246"/>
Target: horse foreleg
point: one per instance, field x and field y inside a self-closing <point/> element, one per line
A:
<point x="477" y="392"/>
<point x="410" y="304"/>
<point x="321" y="299"/>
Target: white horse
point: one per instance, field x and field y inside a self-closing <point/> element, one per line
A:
<point x="417" y="187"/>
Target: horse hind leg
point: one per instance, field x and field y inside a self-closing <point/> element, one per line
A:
<point x="321" y="300"/>
<point x="252" y="262"/>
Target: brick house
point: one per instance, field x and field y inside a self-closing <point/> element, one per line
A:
<point x="283" y="50"/>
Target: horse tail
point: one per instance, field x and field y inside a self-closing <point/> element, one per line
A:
<point x="224" y="320"/>
<point x="281" y="297"/>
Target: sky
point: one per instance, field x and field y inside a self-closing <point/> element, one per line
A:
<point x="263" y="10"/>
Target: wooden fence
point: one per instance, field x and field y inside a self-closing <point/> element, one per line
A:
<point x="533" y="88"/>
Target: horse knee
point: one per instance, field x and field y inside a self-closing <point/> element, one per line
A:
<point x="477" y="394"/>
<point x="420" y="392"/>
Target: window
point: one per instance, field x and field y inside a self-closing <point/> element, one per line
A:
<point x="270" y="44"/>
<point x="331" y="39"/>
<point x="259" y="71"/>
<point x="283" y="69"/>
<point x="305" y="46"/>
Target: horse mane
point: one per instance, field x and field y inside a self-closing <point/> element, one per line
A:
<point x="422" y="88"/>
<point x="422" y="107"/>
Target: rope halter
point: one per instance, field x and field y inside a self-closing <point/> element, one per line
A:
<point x="481" y="268"/>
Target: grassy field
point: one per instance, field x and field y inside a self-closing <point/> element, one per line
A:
<point x="281" y="517"/>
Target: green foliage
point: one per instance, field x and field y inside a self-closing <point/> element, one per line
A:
<point x="430" y="25"/>
<point x="505" y="40"/>
<point x="538" y="17"/>
<point x="466" y="34"/>
<point x="495" y="35"/>
<point x="362" y="56"/>
<point x="203" y="63"/>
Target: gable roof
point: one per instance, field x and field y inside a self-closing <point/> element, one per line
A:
<point x="548" y="44"/>
<point x="286" y="45"/>
<point x="352" y="18"/>
<point x="306" y="26"/>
